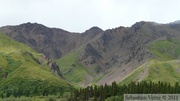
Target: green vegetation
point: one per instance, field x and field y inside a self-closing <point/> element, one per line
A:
<point x="114" y="98"/>
<point x="36" y="98"/>
<point x="31" y="87"/>
<point x="115" y="92"/>
<point x="21" y="72"/>
<point x="7" y="45"/>
<point x="165" y="71"/>
<point x="165" y="49"/>
<point x="98" y="77"/>
<point x="71" y="68"/>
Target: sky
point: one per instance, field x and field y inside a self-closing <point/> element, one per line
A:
<point x="80" y="15"/>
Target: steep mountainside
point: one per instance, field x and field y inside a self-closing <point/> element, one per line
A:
<point x="53" y="42"/>
<point x="22" y="68"/>
<point x="98" y="56"/>
<point x="117" y="52"/>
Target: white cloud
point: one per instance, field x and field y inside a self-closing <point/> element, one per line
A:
<point x="79" y="15"/>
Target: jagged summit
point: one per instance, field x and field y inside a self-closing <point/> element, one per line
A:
<point x="141" y="23"/>
<point x="29" y="24"/>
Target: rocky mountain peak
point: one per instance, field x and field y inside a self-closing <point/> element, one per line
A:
<point x="139" y="23"/>
<point x="145" y="23"/>
<point x="94" y="29"/>
<point x="28" y="24"/>
<point x="35" y="27"/>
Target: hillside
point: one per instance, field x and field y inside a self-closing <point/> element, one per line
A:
<point x="73" y="70"/>
<point x="163" y="67"/>
<point x="24" y="69"/>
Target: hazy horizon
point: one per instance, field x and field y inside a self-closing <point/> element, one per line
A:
<point x="80" y="15"/>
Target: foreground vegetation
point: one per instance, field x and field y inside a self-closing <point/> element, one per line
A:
<point x="105" y="92"/>
<point x="35" y="98"/>
<point x="115" y="92"/>
<point x="34" y="88"/>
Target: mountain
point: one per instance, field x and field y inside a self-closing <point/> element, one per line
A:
<point x="23" y="69"/>
<point x="97" y="56"/>
<point x="118" y="52"/>
<point x="53" y="42"/>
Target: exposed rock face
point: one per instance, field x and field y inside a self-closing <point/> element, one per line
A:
<point x="90" y="51"/>
<point x="44" y="60"/>
<point x="55" y="68"/>
<point x="25" y="53"/>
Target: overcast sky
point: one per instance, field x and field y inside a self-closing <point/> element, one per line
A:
<point x="80" y="15"/>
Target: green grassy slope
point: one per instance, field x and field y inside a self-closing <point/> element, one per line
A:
<point x="166" y="71"/>
<point x="71" y="69"/>
<point x="166" y="49"/>
<point x="19" y="68"/>
<point x="164" y="67"/>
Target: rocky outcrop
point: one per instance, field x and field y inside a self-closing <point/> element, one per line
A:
<point x="44" y="60"/>
<point x="55" y="69"/>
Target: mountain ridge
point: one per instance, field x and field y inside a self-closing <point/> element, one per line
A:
<point x="106" y="56"/>
<point x="53" y="39"/>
